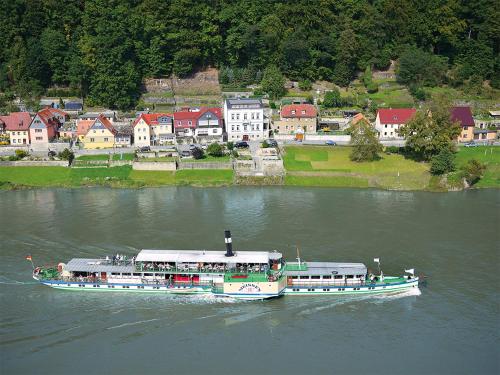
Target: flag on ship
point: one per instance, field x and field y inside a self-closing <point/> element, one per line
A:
<point x="28" y="257"/>
<point x="376" y="260"/>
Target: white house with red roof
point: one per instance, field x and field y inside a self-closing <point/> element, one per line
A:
<point x="16" y="125"/>
<point x="297" y="119"/>
<point x="44" y="127"/>
<point x="153" y="129"/>
<point x="390" y="120"/>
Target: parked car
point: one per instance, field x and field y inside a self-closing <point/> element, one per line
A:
<point x="144" y="149"/>
<point x="471" y="144"/>
<point x="192" y="146"/>
<point x="185" y="153"/>
<point x="331" y="143"/>
<point x="51" y="153"/>
<point x="272" y="142"/>
<point x="241" y="144"/>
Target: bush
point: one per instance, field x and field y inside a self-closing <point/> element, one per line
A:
<point x="392" y="149"/>
<point x="230" y="145"/>
<point x="443" y="162"/>
<point x="215" y="150"/>
<point x="21" y="154"/>
<point x="198" y="153"/>
<point x="473" y="171"/>
<point x="418" y="93"/>
<point x="372" y="87"/>
<point x="264" y="144"/>
<point x="235" y="154"/>
<point x="332" y="99"/>
<point x="68" y="155"/>
<point x="13" y="158"/>
<point x="305" y="85"/>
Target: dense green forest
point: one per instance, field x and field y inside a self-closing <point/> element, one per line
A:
<point x="103" y="49"/>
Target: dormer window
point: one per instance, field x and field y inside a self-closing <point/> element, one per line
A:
<point x="303" y="112"/>
<point x="293" y="111"/>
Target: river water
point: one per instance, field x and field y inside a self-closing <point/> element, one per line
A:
<point x="450" y="326"/>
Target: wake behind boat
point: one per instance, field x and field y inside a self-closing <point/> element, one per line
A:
<point x="237" y="274"/>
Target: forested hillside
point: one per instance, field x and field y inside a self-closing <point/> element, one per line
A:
<point x="104" y="48"/>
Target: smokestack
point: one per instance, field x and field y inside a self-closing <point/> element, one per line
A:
<point x="229" y="243"/>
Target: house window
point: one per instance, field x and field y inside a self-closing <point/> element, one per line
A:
<point x="303" y="112"/>
<point x="385" y="126"/>
<point x="258" y="115"/>
<point x="105" y="139"/>
<point x="253" y="115"/>
<point x="232" y="128"/>
<point x="244" y="116"/>
<point x="91" y="139"/>
<point x="465" y="128"/>
<point x="293" y="111"/>
<point x="38" y="130"/>
<point x="232" y="116"/>
<point x="39" y="138"/>
<point x="13" y="141"/>
<point x="237" y="116"/>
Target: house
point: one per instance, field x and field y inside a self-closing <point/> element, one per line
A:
<point x="297" y="119"/>
<point x="463" y="115"/>
<point x="358" y="118"/>
<point x="153" y="129"/>
<point x="68" y="131"/>
<point x="485" y="135"/>
<point x="244" y="119"/>
<point x="16" y="126"/>
<point x="82" y="128"/>
<point x="109" y="115"/>
<point x="59" y="114"/>
<point x="44" y="127"/>
<point x="124" y="134"/>
<point x="390" y="120"/>
<point x="209" y="125"/>
<point x="185" y="123"/>
<point x="101" y="134"/>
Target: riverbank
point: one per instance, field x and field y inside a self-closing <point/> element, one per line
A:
<point x="308" y="166"/>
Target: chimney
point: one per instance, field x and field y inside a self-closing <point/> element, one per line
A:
<point x="229" y="243"/>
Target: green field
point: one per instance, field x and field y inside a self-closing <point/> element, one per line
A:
<point x="123" y="157"/>
<point x="487" y="155"/>
<point x="19" y="177"/>
<point x="93" y="157"/>
<point x="209" y="159"/>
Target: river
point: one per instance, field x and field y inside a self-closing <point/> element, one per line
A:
<point x="451" y="326"/>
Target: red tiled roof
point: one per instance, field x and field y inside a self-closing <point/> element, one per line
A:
<point x="215" y="110"/>
<point x="57" y="111"/>
<point x="395" y="115"/>
<point x="107" y="124"/>
<point x="295" y="111"/>
<point x="359" y="117"/>
<point x="84" y="126"/>
<point x="463" y="115"/>
<point x="16" y="121"/>
<point x="48" y="117"/>
<point x="150" y="118"/>
<point x="186" y="115"/>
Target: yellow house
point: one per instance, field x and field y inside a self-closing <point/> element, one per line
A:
<point x="101" y="134"/>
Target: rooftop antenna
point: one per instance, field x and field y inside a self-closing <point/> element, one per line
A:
<point x="298" y="257"/>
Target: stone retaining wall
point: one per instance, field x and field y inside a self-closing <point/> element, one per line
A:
<point x="207" y="165"/>
<point x="154" y="166"/>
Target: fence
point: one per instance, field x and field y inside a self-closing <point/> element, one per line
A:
<point x="34" y="163"/>
<point x="205" y="165"/>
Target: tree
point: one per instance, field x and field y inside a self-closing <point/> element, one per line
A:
<point x="443" y="162"/>
<point x="431" y="129"/>
<point x="198" y="153"/>
<point x="305" y="85"/>
<point x="215" y="149"/>
<point x="273" y="82"/>
<point x="473" y="171"/>
<point x="332" y="99"/>
<point x="186" y="61"/>
<point x="364" y="142"/>
<point x="68" y="155"/>
<point x="420" y="68"/>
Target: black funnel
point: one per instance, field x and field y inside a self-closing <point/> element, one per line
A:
<point x="229" y="243"/>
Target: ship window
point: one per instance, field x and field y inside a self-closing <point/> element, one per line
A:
<point x="360" y="276"/>
<point x="126" y="274"/>
<point x="327" y="277"/>
<point x="148" y="274"/>
<point x="350" y="277"/>
<point x="137" y="274"/>
<point x="304" y="277"/>
<point x="295" y="277"/>
<point x="126" y="287"/>
<point x="315" y="277"/>
<point x="340" y="290"/>
<point x="312" y="290"/>
<point x="115" y="273"/>
<point x="339" y="277"/>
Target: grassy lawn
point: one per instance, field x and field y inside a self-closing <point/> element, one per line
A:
<point x="164" y="159"/>
<point x="487" y="155"/>
<point x="11" y="177"/>
<point x="328" y="164"/>
<point x="93" y="157"/>
<point x="125" y="156"/>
